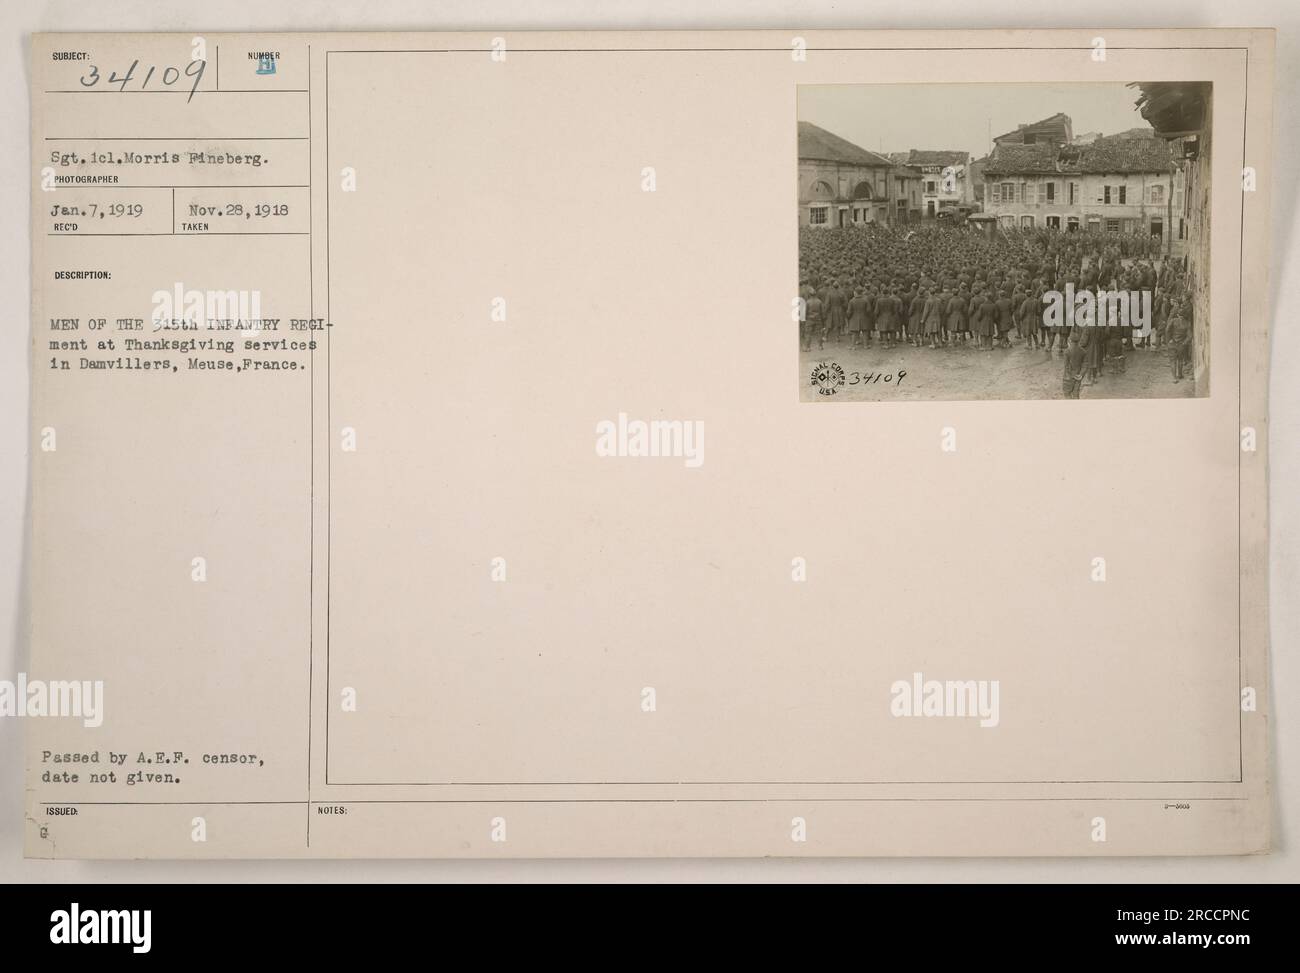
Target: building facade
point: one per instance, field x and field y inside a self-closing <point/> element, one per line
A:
<point x="975" y="175"/>
<point x="1119" y="184"/>
<point x="945" y="182"/>
<point x="908" y="187"/>
<point x="842" y="184"/>
<point x="1182" y="114"/>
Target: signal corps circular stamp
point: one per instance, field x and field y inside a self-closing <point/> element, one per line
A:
<point x="827" y="378"/>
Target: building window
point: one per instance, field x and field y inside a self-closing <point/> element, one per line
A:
<point x="1074" y="195"/>
<point x="1051" y="192"/>
<point x="1027" y="222"/>
<point x="1122" y="195"/>
<point x="1105" y="195"/>
<point x="818" y="215"/>
<point x="1054" y="223"/>
<point x="931" y="187"/>
<point x="1158" y="195"/>
<point x="1071" y="223"/>
<point x="1112" y="226"/>
<point x="1008" y="192"/>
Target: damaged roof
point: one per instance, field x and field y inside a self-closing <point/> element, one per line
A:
<point x="1173" y="106"/>
<point x="1111" y="154"/>
<point x="937" y="157"/>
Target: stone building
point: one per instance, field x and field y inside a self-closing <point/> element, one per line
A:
<point x="908" y="189"/>
<point x="975" y="173"/>
<point x="1120" y="183"/>
<point x="945" y="183"/>
<point x="841" y="184"/>
<point x="1182" y="114"/>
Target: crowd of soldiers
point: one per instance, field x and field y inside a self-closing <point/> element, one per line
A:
<point x="955" y="287"/>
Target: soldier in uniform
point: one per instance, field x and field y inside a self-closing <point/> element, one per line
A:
<point x="859" y="324"/>
<point x="974" y="298"/>
<point x="836" y="304"/>
<point x="1178" y="338"/>
<point x="986" y="316"/>
<point x="915" y="305"/>
<point x="1028" y="315"/>
<point x="955" y="310"/>
<point x="1005" y="314"/>
<point x="812" y="322"/>
<point x="932" y="317"/>
<point x="888" y="310"/>
<point x="1072" y="379"/>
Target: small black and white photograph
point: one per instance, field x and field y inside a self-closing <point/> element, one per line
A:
<point x="1004" y="241"/>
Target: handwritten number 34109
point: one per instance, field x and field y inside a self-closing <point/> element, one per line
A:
<point x="168" y="76"/>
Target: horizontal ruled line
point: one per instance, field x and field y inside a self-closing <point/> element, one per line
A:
<point x="647" y="800"/>
<point x="755" y="50"/>
<point x="176" y="138"/>
<point x="65" y="185"/>
<point x="187" y="233"/>
<point x="160" y="91"/>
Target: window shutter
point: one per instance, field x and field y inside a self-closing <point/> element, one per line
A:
<point x="995" y="192"/>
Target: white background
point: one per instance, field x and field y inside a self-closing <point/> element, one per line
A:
<point x="20" y="19"/>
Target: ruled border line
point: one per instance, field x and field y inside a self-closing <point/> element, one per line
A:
<point x="784" y="50"/>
